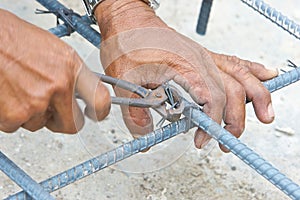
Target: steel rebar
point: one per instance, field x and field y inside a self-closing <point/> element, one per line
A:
<point x="275" y="16"/>
<point x="32" y="188"/>
<point x="81" y="24"/>
<point x="243" y="152"/>
<point x="109" y="158"/>
<point x="204" y="16"/>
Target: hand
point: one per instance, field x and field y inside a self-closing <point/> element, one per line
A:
<point x="140" y="48"/>
<point x="39" y="76"/>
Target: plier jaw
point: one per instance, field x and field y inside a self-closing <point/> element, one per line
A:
<point x="171" y="106"/>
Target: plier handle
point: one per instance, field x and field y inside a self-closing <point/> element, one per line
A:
<point x="165" y="100"/>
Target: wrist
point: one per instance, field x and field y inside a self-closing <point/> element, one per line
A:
<point x="115" y="16"/>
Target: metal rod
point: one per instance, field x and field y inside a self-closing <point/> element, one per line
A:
<point x="84" y="169"/>
<point x="243" y="152"/>
<point x="81" y="24"/>
<point x="141" y="91"/>
<point x="32" y="188"/>
<point x="204" y="16"/>
<point x="109" y="158"/>
<point x="275" y="16"/>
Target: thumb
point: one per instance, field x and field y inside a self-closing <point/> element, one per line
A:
<point x="94" y="93"/>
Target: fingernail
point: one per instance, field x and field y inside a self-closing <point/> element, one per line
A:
<point x="271" y="111"/>
<point x="275" y="71"/>
<point x="205" y="143"/>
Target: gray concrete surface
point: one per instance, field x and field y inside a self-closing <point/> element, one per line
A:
<point x="175" y="170"/>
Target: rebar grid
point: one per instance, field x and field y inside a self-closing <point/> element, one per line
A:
<point x="109" y="158"/>
<point x="197" y="117"/>
<point x="80" y="24"/>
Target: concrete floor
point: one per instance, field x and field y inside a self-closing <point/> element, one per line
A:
<point x="167" y="172"/>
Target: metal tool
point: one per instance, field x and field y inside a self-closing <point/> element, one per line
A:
<point x="165" y="99"/>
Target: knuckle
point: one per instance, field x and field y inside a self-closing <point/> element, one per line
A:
<point x="63" y="84"/>
<point x="12" y="121"/>
<point x="18" y="115"/>
<point x="239" y="91"/>
<point x="39" y="105"/>
<point x="8" y="129"/>
<point x="241" y="71"/>
<point x="234" y="59"/>
<point x="220" y="98"/>
<point x="72" y="58"/>
<point x="239" y="66"/>
<point x="248" y="63"/>
<point x="263" y="94"/>
<point x="65" y="77"/>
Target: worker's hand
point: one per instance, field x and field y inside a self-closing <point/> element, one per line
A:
<point x="140" y="48"/>
<point x="39" y="77"/>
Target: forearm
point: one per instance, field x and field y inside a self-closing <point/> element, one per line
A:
<point x="115" y="16"/>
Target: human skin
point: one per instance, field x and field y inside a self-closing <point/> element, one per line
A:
<point x="39" y="77"/>
<point x="139" y="47"/>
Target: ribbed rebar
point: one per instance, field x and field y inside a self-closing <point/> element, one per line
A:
<point x="275" y="16"/>
<point x="81" y="24"/>
<point x="16" y="174"/>
<point x="283" y="80"/>
<point x="60" y="30"/>
<point x="109" y="158"/>
<point x="246" y="154"/>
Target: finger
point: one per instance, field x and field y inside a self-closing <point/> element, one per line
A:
<point x="37" y="122"/>
<point x="201" y="139"/>
<point x="8" y="128"/>
<point x="207" y="93"/>
<point x="255" y="91"/>
<point x="66" y="116"/>
<point x="12" y="116"/>
<point x="138" y="120"/>
<point x="258" y="70"/>
<point x="234" y="117"/>
<point x="94" y="93"/>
